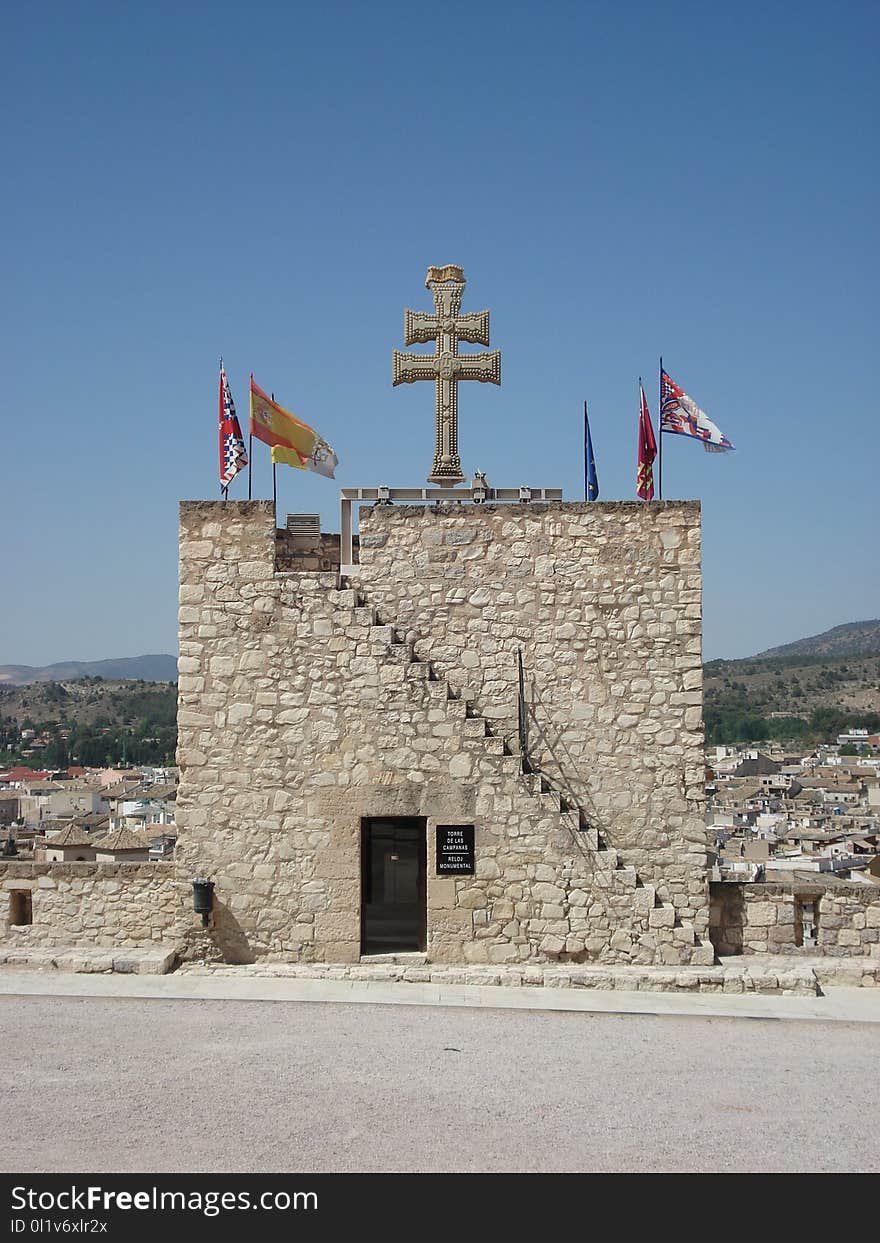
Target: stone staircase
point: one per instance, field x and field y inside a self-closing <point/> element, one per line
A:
<point x="638" y="912"/>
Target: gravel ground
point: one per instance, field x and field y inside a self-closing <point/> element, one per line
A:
<point x="162" y="1086"/>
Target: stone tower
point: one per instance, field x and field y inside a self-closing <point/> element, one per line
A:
<point x="333" y="732"/>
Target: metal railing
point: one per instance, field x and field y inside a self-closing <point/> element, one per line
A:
<point x="522" y="716"/>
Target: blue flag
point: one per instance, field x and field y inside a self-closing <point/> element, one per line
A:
<point x="591" y="479"/>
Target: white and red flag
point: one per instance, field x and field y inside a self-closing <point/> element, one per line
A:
<point x="647" y="451"/>
<point x="233" y="456"/>
<point x="680" y="415"/>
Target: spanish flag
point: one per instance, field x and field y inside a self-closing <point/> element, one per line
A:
<point x="293" y="442"/>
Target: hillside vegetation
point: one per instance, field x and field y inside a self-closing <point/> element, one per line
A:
<point x="802" y="698"/>
<point x="88" y="722"/>
<point x="853" y="639"/>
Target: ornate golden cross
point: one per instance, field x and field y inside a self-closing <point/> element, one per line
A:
<point x="446" y="366"/>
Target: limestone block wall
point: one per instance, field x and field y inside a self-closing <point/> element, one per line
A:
<point x="103" y="904"/>
<point x="605" y="602"/>
<point x="768" y="919"/>
<point x="308" y="552"/>
<point x="302" y="710"/>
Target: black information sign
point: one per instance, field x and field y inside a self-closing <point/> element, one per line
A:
<point x="455" y="849"/>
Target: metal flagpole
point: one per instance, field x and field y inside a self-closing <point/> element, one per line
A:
<point x="224" y="488"/>
<point x="660" y="437"/>
<point x="274" y="487"/>
<point x="586" y="464"/>
<point x="250" y="434"/>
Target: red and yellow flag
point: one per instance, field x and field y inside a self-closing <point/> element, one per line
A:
<point x="292" y="441"/>
<point x="647" y="451"/>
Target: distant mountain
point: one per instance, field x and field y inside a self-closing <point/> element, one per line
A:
<point x="853" y="639"/>
<point x="803" y="692"/>
<point x="132" y="668"/>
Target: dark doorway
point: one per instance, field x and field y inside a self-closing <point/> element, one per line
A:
<point x="393" y="886"/>
<point x="20" y="907"/>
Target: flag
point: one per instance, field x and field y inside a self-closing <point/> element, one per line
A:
<point x="289" y="457"/>
<point x="647" y="451"/>
<point x="233" y="457"/>
<point x="591" y="490"/>
<point x="680" y="415"/>
<point x="280" y="429"/>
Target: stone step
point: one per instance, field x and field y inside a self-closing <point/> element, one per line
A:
<point x="681" y="936"/>
<point x="475" y="727"/>
<point x="366" y="615"/>
<point x="703" y="954"/>
<point x="662" y="916"/>
<point x="585" y="831"/>
<point x="419" y="671"/>
<point x="496" y="746"/>
<point x="400" y="653"/>
<point x="645" y="900"/>
<point x="382" y="634"/>
<point x="153" y="960"/>
<point x="627" y="876"/>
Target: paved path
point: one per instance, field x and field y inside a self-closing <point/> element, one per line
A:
<point x="124" y="1083"/>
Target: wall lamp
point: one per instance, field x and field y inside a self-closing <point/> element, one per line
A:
<point x="203" y="898"/>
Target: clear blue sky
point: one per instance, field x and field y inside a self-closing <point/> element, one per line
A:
<point x="270" y="181"/>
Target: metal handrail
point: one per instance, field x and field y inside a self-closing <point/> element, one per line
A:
<point x="522" y="715"/>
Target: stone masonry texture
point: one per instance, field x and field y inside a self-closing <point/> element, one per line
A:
<point x="768" y="919"/>
<point x="96" y="904"/>
<point x="307" y="704"/>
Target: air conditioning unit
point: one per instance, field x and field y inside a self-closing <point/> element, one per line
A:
<point x="304" y="524"/>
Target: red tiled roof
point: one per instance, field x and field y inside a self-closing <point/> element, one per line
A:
<point x="69" y="838"/>
<point x="119" y="840"/>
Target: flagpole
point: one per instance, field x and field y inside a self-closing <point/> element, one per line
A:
<point x="660" y="436"/>
<point x="224" y="489"/>
<point x="586" y="465"/>
<point x="274" y="487"/>
<point x="250" y="434"/>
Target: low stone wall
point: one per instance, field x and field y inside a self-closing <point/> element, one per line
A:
<point x="103" y="904"/>
<point x="778" y="918"/>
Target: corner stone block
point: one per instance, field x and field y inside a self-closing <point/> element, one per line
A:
<point x="702" y="956"/>
<point x="342" y="951"/>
